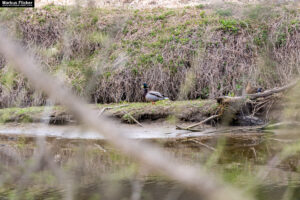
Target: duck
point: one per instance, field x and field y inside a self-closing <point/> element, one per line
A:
<point x="152" y="96"/>
<point x="252" y="90"/>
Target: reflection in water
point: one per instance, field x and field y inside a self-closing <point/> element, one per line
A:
<point x="98" y="171"/>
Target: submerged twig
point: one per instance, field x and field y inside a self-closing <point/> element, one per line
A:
<point x="202" y="144"/>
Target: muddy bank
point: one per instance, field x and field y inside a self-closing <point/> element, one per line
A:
<point x="171" y="111"/>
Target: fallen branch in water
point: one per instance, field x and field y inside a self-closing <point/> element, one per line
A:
<point x="197" y="124"/>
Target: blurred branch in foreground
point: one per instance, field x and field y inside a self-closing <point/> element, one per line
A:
<point x="207" y="185"/>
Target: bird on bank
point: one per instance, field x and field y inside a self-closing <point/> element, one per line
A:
<point x="152" y="96"/>
<point x="252" y="90"/>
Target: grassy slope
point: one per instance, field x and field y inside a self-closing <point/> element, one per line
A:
<point x="187" y="53"/>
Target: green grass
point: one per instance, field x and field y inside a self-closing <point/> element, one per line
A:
<point x="20" y="115"/>
<point x="161" y="108"/>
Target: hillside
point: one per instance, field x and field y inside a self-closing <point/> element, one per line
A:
<point x="195" y="52"/>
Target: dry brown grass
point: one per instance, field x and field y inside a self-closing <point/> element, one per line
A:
<point x="105" y="55"/>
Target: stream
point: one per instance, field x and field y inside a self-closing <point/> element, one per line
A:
<point x="99" y="171"/>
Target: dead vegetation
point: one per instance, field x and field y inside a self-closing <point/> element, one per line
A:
<point x="105" y="55"/>
<point x="50" y="168"/>
<point x="241" y="110"/>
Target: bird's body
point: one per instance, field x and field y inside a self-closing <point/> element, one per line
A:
<point x="152" y="96"/>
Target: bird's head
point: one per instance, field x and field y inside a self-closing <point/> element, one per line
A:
<point x="259" y="90"/>
<point x="145" y="85"/>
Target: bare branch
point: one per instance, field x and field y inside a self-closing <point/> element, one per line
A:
<point x="257" y="95"/>
<point x="199" y="123"/>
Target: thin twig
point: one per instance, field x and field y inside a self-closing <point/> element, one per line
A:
<point x="254" y="152"/>
<point x="202" y="122"/>
<point x="100" y="147"/>
<point x="131" y="117"/>
<point x="102" y="111"/>
<point x="108" y="108"/>
<point x="197" y="124"/>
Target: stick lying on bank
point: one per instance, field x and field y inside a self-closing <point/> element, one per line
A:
<point x="131" y="117"/>
<point x="196" y="178"/>
<point x="197" y="124"/>
<point x="108" y="108"/>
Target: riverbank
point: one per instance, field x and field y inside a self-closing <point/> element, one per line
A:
<point x="172" y="111"/>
